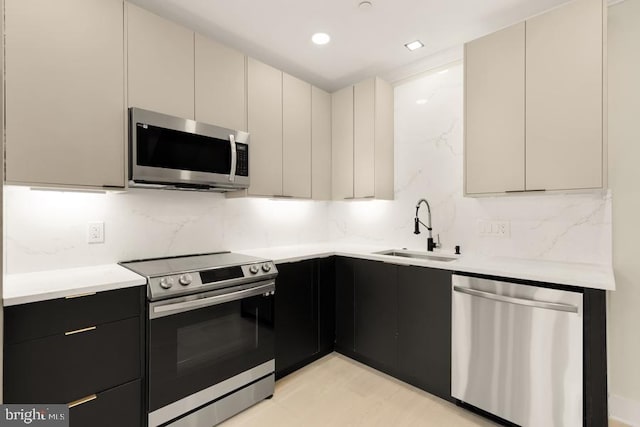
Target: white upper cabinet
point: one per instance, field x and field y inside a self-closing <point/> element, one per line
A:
<point x="362" y="146"/>
<point x="565" y="97"/>
<point x="494" y="112"/>
<point x="296" y="137"/>
<point x="264" y="92"/>
<point x="160" y="63"/>
<point x="383" y="133"/>
<point x="220" y="97"/>
<point x="364" y="112"/>
<point x="342" y="143"/>
<point x="320" y="144"/>
<point x="279" y="122"/>
<point x="535" y="104"/>
<point x="65" y="109"/>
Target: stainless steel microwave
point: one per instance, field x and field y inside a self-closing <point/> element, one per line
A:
<point x="175" y="153"/>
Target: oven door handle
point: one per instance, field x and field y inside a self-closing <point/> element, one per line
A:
<point x="180" y="307"/>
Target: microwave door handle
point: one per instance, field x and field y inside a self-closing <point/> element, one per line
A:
<point x="234" y="158"/>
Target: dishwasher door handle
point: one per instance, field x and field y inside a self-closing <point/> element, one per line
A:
<point x="519" y="301"/>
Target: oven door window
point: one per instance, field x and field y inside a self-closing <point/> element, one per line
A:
<point x="191" y="351"/>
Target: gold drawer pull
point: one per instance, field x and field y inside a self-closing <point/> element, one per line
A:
<point x="82" y="401"/>
<point x="78" y="331"/>
<point x="80" y="295"/>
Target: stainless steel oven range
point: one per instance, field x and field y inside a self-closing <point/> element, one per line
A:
<point x="210" y="336"/>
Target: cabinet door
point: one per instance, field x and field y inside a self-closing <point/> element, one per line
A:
<point x="375" y="309"/>
<point x="320" y="144"/>
<point x="220" y="94"/>
<point x="384" y="163"/>
<point x="364" y="139"/>
<point x="344" y="305"/>
<point x="120" y="406"/>
<point x="424" y="329"/>
<point x="264" y="91"/>
<point x="326" y="279"/>
<point x="160" y="64"/>
<point x="25" y="322"/>
<point x="65" y="92"/>
<point x="494" y="112"/>
<point x="296" y="137"/>
<point x="342" y="144"/>
<point x="564" y="107"/>
<point x="296" y="315"/>
<point x="75" y="364"/>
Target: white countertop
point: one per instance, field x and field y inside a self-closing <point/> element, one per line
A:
<point x="561" y="273"/>
<point x="39" y="286"/>
<point x="45" y="285"/>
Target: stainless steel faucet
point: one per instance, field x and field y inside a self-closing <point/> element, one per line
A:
<point x="430" y="243"/>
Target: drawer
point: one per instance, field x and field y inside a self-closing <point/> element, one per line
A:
<point x="120" y="406"/>
<point x="40" y="319"/>
<point x="61" y="368"/>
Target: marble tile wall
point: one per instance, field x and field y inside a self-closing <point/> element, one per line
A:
<point x="429" y="164"/>
<point x="47" y="229"/>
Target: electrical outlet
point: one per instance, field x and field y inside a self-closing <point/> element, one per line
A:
<point x="95" y="232"/>
<point x="494" y="228"/>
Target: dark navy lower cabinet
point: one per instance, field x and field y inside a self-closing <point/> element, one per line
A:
<point x="396" y="319"/>
<point x="424" y="329"/>
<point x="304" y="313"/>
<point x="295" y="315"/>
<point x="325" y="268"/>
<point x="344" y="292"/>
<point x="375" y="311"/>
<point x="87" y="352"/>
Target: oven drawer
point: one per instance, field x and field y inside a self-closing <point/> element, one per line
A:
<point x="120" y="406"/>
<point x="63" y="367"/>
<point x="40" y="319"/>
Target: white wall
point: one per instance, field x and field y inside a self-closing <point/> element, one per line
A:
<point x="429" y="164"/>
<point x="624" y="179"/>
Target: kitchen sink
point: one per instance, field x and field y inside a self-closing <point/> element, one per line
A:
<point x="416" y="255"/>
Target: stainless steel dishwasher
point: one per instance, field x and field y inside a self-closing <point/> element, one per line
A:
<point x="517" y="351"/>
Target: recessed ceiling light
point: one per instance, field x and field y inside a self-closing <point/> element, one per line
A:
<point x="364" y="5"/>
<point x="416" y="44"/>
<point x="421" y="101"/>
<point x="320" y="38"/>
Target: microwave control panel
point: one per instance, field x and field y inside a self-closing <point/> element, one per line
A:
<point x="242" y="164"/>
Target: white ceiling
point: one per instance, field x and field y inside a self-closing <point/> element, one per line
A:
<point x="364" y="43"/>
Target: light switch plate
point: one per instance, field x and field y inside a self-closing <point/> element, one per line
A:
<point x="95" y="232"/>
<point x="494" y="228"/>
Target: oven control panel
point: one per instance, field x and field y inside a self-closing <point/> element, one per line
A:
<point x="205" y="280"/>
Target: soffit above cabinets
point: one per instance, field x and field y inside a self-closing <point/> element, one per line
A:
<point x="363" y="42"/>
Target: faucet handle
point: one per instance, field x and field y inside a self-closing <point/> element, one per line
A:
<point x="438" y="245"/>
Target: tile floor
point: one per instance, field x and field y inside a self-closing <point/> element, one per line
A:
<point x="337" y="391"/>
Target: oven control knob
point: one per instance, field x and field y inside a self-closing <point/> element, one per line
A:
<point x="266" y="267"/>
<point x="254" y="269"/>
<point x="185" y="279"/>
<point x="166" y="282"/>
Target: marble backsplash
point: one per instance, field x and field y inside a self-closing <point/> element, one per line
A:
<point x="48" y="229"/>
<point x="429" y="164"/>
